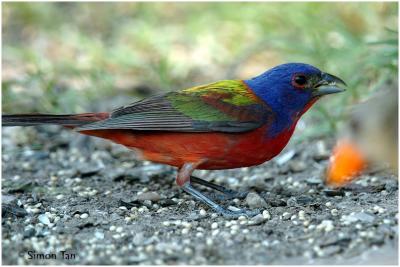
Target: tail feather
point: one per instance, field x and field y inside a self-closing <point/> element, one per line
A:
<point x="70" y="120"/>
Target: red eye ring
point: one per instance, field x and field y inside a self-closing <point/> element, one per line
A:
<point x="299" y="80"/>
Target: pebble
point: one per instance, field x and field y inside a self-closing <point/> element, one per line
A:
<point x="266" y="215"/>
<point x="256" y="220"/>
<point x="242" y="218"/>
<point x="203" y="212"/>
<point x="321" y="152"/>
<point x="199" y="234"/>
<point x="99" y="235"/>
<point x="44" y="219"/>
<point x="358" y="216"/>
<point x="326" y="225"/>
<point x="334" y="212"/>
<point x="84" y="216"/>
<point x="286" y="216"/>
<point x="302" y="214"/>
<point x="153" y="196"/>
<point x="214" y="225"/>
<point x="297" y="166"/>
<point x="215" y="232"/>
<point x="35" y="210"/>
<point x="253" y="200"/>
<point x="255" y="181"/>
<point x="187" y="251"/>
<point x="387" y="221"/>
<point x="235" y="227"/>
<point x="378" y="209"/>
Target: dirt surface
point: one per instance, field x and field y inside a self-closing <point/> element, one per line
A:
<point x="93" y="200"/>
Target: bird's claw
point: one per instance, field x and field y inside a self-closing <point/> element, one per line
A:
<point x="229" y="195"/>
<point x="234" y="214"/>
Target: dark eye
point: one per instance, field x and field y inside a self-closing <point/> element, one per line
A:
<point x="299" y="80"/>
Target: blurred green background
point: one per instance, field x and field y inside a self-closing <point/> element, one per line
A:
<point x="76" y="57"/>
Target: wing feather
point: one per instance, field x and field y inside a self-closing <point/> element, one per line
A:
<point x="225" y="106"/>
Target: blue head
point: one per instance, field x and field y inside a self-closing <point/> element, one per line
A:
<point x="290" y="89"/>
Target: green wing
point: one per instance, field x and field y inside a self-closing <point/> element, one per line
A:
<point x="225" y="106"/>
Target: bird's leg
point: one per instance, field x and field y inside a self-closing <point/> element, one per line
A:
<point x="183" y="180"/>
<point x="229" y="193"/>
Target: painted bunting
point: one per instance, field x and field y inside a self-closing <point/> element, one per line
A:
<point x="222" y="125"/>
<point x="371" y="136"/>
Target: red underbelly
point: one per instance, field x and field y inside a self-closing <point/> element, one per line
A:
<point x="214" y="150"/>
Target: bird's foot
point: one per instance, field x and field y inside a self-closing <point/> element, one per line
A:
<point x="234" y="214"/>
<point x="227" y="193"/>
<point x="229" y="196"/>
<point x="188" y="188"/>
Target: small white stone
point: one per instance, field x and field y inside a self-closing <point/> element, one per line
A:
<point x="302" y="214"/>
<point x="166" y="223"/>
<point x="199" y="234"/>
<point x="185" y="231"/>
<point x="84" y="216"/>
<point x="285" y="215"/>
<point x="214" y="225"/>
<point x="116" y="236"/>
<point x="266" y="214"/>
<point x="235" y="227"/>
<point x="203" y="212"/>
<point x="44" y="219"/>
<point x="99" y="235"/>
<point x="112" y="228"/>
<point x="35" y="210"/>
<point x="328" y="204"/>
<point x="187" y="251"/>
<point x="334" y="212"/>
<point x="326" y="225"/>
<point x="119" y="229"/>
<point x="386" y="221"/>
<point x="149" y="248"/>
<point x="187" y="224"/>
<point x="242" y="218"/>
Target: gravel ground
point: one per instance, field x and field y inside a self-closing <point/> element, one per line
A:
<point x="94" y="201"/>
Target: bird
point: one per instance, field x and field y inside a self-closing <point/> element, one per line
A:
<point x="370" y="138"/>
<point x="222" y="125"/>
